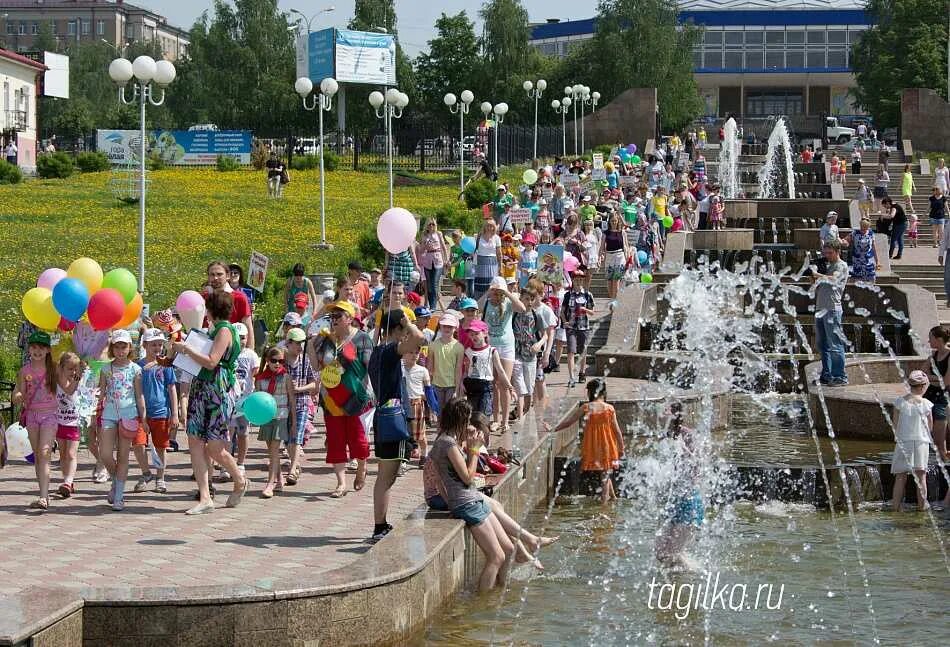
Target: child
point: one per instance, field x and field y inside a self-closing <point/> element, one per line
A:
<point x="124" y="421"/>
<point x="913" y="426"/>
<point x="35" y="390"/>
<point x="480" y="366"/>
<point x="576" y="309"/>
<point x="863" y="196"/>
<point x="68" y="379"/>
<point x="529" y="258"/>
<point x="304" y="385"/>
<point x="462" y="499"/>
<point x="602" y="442"/>
<point x="717" y="209"/>
<point x="160" y="390"/>
<point x="445" y="357"/>
<point x="417" y="380"/>
<point x="529" y="340"/>
<point x="469" y="308"/>
<point x="842" y="171"/>
<point x="509" y="256"/>
<point x="684" y="510"/>
<point x="273" y="378"/>
<point x="835" y="169"/>
<point x="907" y="189"/>
<point x="244" y="370"/>
<point x="912" y="229"/>
<point x="459" y="294"/>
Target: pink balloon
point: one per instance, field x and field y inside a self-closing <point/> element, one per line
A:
<point x="396" y="230"/>
<point x="189" y="300"/>
<point x="570" y="264"/>
<point x="50" y="277"/>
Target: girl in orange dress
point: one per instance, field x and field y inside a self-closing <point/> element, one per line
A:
<point x="602" y="440"/>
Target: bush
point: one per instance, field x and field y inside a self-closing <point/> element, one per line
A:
<point x="259" y="155"/>
<point x="370" y="250"/>
<point x="330" y="161"/>
<point x="305" y="162"/>
<point x="603" y="148"/>
<point x="226" y="163"/>
<point x="54" y="165"/>
<point x="453" y="216"/>
<point x="154" y="162"/>
<point x="10" y="173"/>
<point x="479" y="192"/>
<point x="93" y="162"/>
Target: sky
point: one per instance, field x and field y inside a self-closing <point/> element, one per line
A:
<point x="415" y="18"/>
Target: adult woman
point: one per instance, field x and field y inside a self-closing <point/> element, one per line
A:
<point x="487" y="257"/>
<point x="211" y="403"/>
<point x="614" y="251"/>
<point x="907" y="188"/>
<point x="434" y="254"/>
<point x="864" y="259"/>
<point x="942" y="176"/>
<point x="399" y="267"/>
<point x="881" y="180"/>
<point x="236" y="281"/>
<point x="560" y="204"/>
<point x="895" y="213"/>
<point x="342" y="357"/>
<point x="298" y="283"/>
<point x="939" y="340"/>
<point x="574" y="239"/>
<point x="499" y="307"/>
<point x="938" y="213"/>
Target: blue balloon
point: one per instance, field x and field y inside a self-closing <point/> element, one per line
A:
<point x="70" y="298"/>
<point x="468" y="245"/>
<point x="642" y="257"/>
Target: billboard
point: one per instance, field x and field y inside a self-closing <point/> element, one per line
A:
<point x="352" y="56"/>
<point x="56" y="78"/>
<point x="320" y="54"/>
<point x="182" y="147"/>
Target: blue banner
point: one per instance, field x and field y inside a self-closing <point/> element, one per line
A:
<point x="184" y="147"/>
<point x="320" y="54"/>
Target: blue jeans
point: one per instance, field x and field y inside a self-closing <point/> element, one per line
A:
<point x="829" y="337"/>
<point x="897" y="239"/>
<point x="433" y="283"/>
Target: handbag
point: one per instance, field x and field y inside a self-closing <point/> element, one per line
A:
<point x="129" y="428"/>
<point x="390" y="424"/>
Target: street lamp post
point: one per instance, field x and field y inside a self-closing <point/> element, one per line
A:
<point x="534" y="92"/>
<point x="562" y="107"/>
<point x="499" y="111"/>
<point x="595" y="97"/>
<point x="462" y="109"/>
<point x="387" y="108"/>
<point x="585" y="101"/>
<point x="147" y="73"/>
<point x="322" y="101"/>
<point x="486" y="109"/>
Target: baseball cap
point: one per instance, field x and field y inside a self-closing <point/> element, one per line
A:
<point x="478" y="326"/>
<point x="296" y="334"/>
<point x="154" y="334"/>
<point x="328" y="295"/>
<point x="301" y="300"/>
<point x="502" y="187"/>
<point x="121" y="336"/>
<point x="414" y="298"/>
<point x="449" y="320"/>
<point x="345" y="306"/>
<point x="40" y="337"/>
<point x="468" y="303"/>
<point x="422" y="311"/>
<point x="918" y="378"/>
<point x="241" y="329"/>
<point x="293" y="319"/>
<point x="831" y="214"/>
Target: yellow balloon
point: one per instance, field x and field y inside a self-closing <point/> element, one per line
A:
<point x="38" y="307"/>
<point x="88" y="271"/>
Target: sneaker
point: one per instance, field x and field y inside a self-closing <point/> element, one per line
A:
<point x="571" y="383"/>
<point x="143" y="482"/>
<point x="100" y="477"/>
<point x="118" y="505"/>
<point x="111" y="496"/>
<point x="822" y="381"/>
<point x="352" y="465"/>
<point x="402" y="469"/>
<point x="382" y="532"/>
<point x="161" y="487"/>
<point x="839" y="382"/>
<point x="582" y="377"/>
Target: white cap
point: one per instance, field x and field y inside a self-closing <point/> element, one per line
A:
<point x="499" y="283"/>
<point x="152" y="334"/>
<point x="329" y="295"/>
<point x="241" y="329"/>
<point x="121" y="335"/>
<point x="293" y="319"/>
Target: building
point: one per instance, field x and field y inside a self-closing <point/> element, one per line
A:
<point x="757" y="57"/>
<point x="21" y="78"/>
<point x="73" y="21"/>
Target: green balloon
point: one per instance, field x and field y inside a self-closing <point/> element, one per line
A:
<point x="636" y="159"/>
<point x="259" y="408"/>
<point x="646" y="277"/>
<point x="667" y="221"/>
<point x="123" y="281"/>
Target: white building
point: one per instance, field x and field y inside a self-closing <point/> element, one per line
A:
<point x="21" y="78"/>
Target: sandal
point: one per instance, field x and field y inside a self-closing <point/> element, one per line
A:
<point x="234" y="499"/>
<point x="339" y="492"/>
<point x="294" y="476"/>
<point x="40" y="504"/>
<point x="65" y="490"/>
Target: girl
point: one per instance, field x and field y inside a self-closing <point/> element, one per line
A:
<point x="602" y="442"/>
<point x="913" y="426"/>
<point x="717" y="209"/>
<point x="912" y="221"/>
<point x="938" y="213"/>
<point x="68" y="378"/>
<point x="481" y="366"/>
<point x="842" y="171"/>
<point x="881" y="180"/>
<point x="684" y="509"/>
<point x="273" y="379"/>
<point x="462" y="499"/>
<point x="35" y="390"/>
<point x="124" y="420"/>
<point x="907" y="188"/>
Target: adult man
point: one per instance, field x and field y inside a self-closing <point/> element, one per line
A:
<point x="829" y="335"/>
<point x="361" y="291"/>
<point x="10" y="151"/>
<point x="241" y="312"/>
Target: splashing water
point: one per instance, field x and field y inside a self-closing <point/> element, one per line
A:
<point x="729" y="149"/>
<point x="779" y="167"/>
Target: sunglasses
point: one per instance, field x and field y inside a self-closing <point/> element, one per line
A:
<point x="275" y="360"/>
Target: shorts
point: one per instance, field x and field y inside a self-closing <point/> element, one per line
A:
<point x="506" y="353"/>
<point x="939" y="410"/>
<point x="523" y="376"/>
<point x="112" y="415"/>
<point x="910" y="455"/>
<point x="210" y="409"/>
<point x="300" y="437"/>
<point x="480" y="398"/>
<point x="472" y="513"/>
<point x="239" y="425"/>
<point x="938" y="221"/>
<point x="400" y="451"/>
<point x="417" y="420"/>
<point x="444" y="394"/>
<point x="158" y="428"/>
<point x="560" y="334"/>
<point x="437" y="503"/>
<point x="576" y="341"/>
<point x="37" y="419"/>
<point x="688" y="510"/>
<point x="346" y="439"/>
<point x="67" y="433"/>
<point x="275" y="430"/>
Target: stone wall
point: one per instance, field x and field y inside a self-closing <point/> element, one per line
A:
<point x="629" y="119"/>
<point x="924" y="119"/>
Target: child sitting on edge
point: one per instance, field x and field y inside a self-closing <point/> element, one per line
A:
<point x="913" y="426"/>
<point x="480" y="367"/>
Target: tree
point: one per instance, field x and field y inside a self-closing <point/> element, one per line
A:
<point x="905" y="48"/>
<point x="450" y="65"/>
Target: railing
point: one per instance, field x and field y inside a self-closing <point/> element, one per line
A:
<point x="15" y="120"/>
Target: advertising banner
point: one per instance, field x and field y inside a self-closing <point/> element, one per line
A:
<point x="181" y="147"/>
<point x="365" y="57"/>
<point x="320" y="55"/>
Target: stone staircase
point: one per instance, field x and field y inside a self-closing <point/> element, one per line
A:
<point x="920" y="199"/>
<point x="929" y="277"/>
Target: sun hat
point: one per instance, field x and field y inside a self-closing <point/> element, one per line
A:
<point x="468" y="303"/>
<point x="293" y="319"/>
<point x="296" y="334"/>
<point x="831" y="214"/>
<point x="918" y="378"/>
<point x="449" y="320"/>
<point x="422" y="311"/>
<point x="345" y="306"/>
<point x="121" y="336"/>
<point x="154" y="334"/>
<point x="478" y="326"/>
<point x="529" y="239"/>
<point x="39" y="337"/>
<point x="328" y="295"/>
<point x="498" y="283"/>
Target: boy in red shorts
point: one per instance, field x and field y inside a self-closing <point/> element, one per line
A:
<point x="160" y="389"/>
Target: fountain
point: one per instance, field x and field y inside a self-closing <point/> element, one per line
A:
<point x="728" y="168"/>
<point x="778" y="171"/>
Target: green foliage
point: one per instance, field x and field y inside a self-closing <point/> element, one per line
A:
<point x="453" y="216"/>
<point x="447" y="65"/>
<point x="603" y="148"/>
<point x="154" y="161"/>
<point x="479" y="192"/>
<point x="92" y="162"/>
<point x="330" y="160"/>
<point x="305" y="162"/>
<point x="54" y="165"/>
<point x="905" y="48"/>
<point x="370" y="250"/>
<point x="10" y="173"/>
<point x="226" y="164"/>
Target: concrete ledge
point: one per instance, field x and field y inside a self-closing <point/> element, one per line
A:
<point x="721" y="239"/>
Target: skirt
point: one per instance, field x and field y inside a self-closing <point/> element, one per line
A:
<point x="616" y="265"/>
<point x="910" y="455"/>
<point x="485" y="271"/>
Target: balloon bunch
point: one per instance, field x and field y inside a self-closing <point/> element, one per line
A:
<point x="82" y="293"/>
<point x="628" y="154"/>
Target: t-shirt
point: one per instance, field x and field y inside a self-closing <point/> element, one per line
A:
<point x="247" y="363"/>
<point x="498" y="318"/>
<point x="241" y="309"/>
<point x="526" y="327"/>
<point x="547" y="316"/>
<point x="487" y="247"/>
<point x="912" y="422"/>
<point x="66" y="415"/>
<point x="444" y="358"/>
<point x="385" y="372"/>
<point x="457" y="493"/>
<point x="274" y="168"/>
<point x="120" y="387"/>
<point x="351" y="395"/>
<point x="828" y="291"/>
<point x="828" y="232"/>
<point x="155" y="382"/>
<point x="480" y="363"/>
<point x="416" y="379"/>
<point x="572" y="313"/>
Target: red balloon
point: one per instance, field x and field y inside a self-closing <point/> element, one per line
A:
<point x="106" y="308"/>
<point x="66" y="325"/>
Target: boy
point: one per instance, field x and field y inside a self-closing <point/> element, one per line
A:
<point x="246" y="368"/>
<point x="417" y="380"/>
<point x="303" y="388"/>
<point x="576" y="309"/>
<point x="159" y="387"/>
<point x="459" y="293"/>
<point x="529" y="340"/>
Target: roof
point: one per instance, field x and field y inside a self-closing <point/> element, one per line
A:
<point x="71" y="5"/>
<point x="23" y="60"/>
<point x="768" y="5"/>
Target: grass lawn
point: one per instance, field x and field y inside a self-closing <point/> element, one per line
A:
<point x="194" y="216"/>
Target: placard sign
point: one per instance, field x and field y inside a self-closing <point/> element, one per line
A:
<point x="257" y="271"/>
<point x="598" y="160"/>
<point x="570" y="180"/>
<point x="520" y="216"/>
<point x="628" y="181"/>
<point x="547" y="192"/>
<point x="598" y="174"/>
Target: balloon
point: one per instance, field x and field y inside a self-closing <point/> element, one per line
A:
<point x="66" y="325"/>
<point x="189" y="300"/>
<point x="70" y="298"/>
<point x="122" y="280"/>
<point x="667" y="222"/>
<point x="646" y="277"/>
<point x="468" y="244"/>
<point x="193" y="317"/>
<point x="50" y="278"/>
<point x="18" y="441"/>
<point x="132" y="311"/>
<point x="631" y="148"/>
<point x="635" y="159"/>
<point x="396" y="230"/>
<point x="549" y="170"/>
<point x="38" y="307"/>
<point x="571" y="264"/>
<point x="642" y="257"/>
<point x="259" y="408"/>
<point x="87" y="271"/>
<point x="530" y="176"/>
<point x="105" y="309"/>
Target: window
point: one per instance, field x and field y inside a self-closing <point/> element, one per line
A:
<point x="713" y="59"/>
<point x="816" y="37"/>
<point x="733" y="60"/>
<point x="733" y="38"/>
<point x="837" y="58"/>
<point x="854" y="35"/>
<point x="35" y="28"/>
<point x="775" y="60"/>
<point x="85" y="27"/>
<point x="816" y="58"/>
<point x="753" y="60"/>
<point x="10" y="28"/>
<point x="795" y="37"/>
<point x="548" y="49"/>
<point x="837" y="37"/>
<point x="697" y="59"/>
<point x="100" y="27"/>
<point x="713" y="38"/>
<point x="794" y="59"/>
<point x="775" y="37"/>
<point x="754" y="37"/>
<point x="22" y="29"/>
<point x="71" y="28"/>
